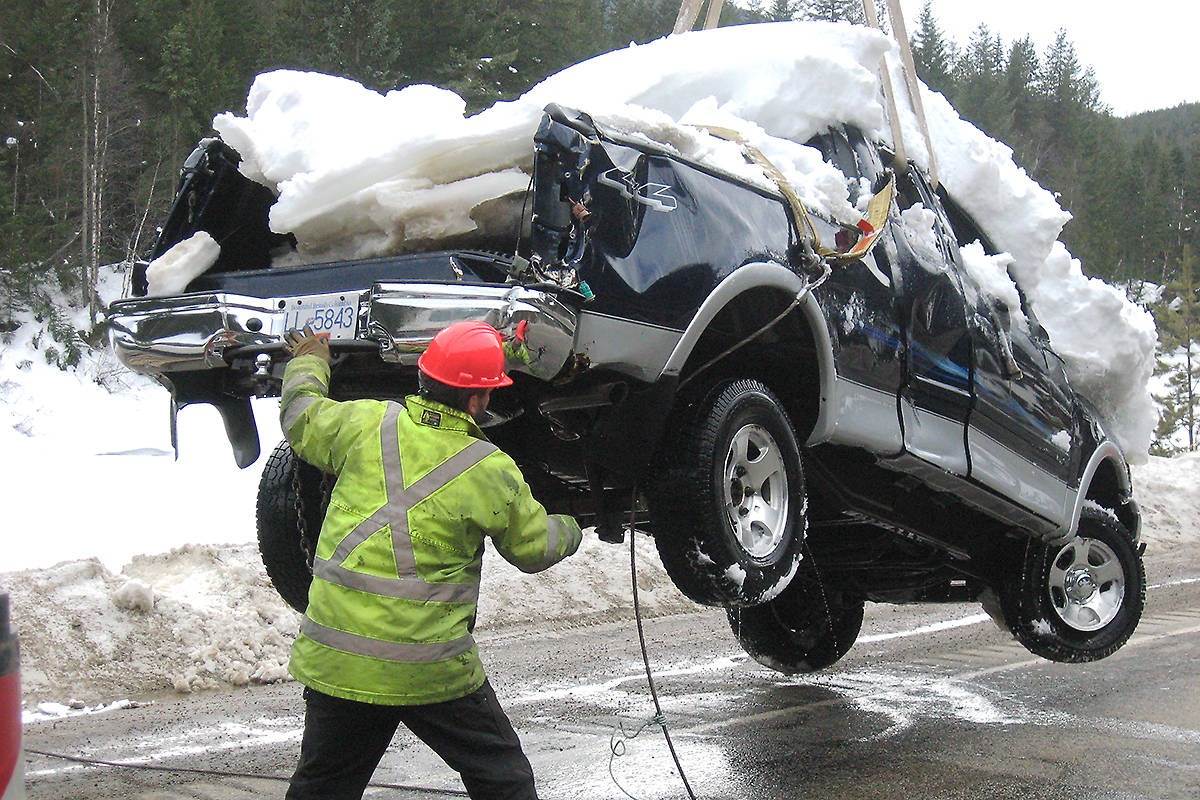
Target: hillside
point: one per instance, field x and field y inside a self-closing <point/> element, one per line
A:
<point x="1167" y="127"/>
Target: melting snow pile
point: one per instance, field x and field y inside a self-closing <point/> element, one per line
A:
<point x="359" y="173"/>
<point x="206" y="616"/>
<point x="1168" y="491"/>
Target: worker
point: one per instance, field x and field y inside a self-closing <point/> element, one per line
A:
<point x="386" y="638"/>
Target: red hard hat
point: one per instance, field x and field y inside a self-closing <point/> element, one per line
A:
<point x="468" y="355"/>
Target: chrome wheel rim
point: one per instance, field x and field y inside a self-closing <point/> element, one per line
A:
<point x="756" y="491"/>
<point x="1086" y="584"/>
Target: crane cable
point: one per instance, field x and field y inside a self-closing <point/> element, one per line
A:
<point x="617" y="742"/>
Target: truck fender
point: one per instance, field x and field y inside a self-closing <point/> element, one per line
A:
<point x="1131" y="517"/>
<point x="752" y="276"/>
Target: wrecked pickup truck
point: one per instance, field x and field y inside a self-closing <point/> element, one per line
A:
<point x="805" y="416"/>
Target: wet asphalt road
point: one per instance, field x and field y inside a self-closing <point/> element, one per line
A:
<point x="932" y="702"/>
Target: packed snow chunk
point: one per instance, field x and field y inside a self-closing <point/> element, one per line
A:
<point x="171" y="272"/>
<point x="918" y="226"/>
<point x="1020" y="216"/>
<point x="792" y="79"/>
<point x="134" y="595"/>
<point x="337" y="153"/>
<point x="991" y="274"/>
<point x="1108" y="344"/>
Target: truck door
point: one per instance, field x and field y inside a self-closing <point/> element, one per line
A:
<point x="858" y="300"/>
<point x="935" y="398"/>
<point x="1021" y="436"/>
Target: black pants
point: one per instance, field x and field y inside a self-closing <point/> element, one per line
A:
<point x="344" y="741"/>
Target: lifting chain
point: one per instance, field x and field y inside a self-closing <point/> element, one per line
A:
<point x="307" y="542"/>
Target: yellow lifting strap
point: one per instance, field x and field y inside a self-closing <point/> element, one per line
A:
<point x="870" y="227"/>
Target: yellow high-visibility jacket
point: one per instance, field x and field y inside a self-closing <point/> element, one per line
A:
<point x="396" y="573"/>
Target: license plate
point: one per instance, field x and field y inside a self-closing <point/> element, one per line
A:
<point x="335" y="314"/>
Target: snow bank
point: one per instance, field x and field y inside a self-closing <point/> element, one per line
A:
<point x="1168" y="491"/>
<point x="212" y="619"/>
<point x="203" y="616"/>
<point x="359" y="173"/>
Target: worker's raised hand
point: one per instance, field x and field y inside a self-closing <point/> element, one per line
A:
<point x="307" y="343"/>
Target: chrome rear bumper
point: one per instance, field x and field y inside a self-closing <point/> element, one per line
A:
<point x="162" y="335"/>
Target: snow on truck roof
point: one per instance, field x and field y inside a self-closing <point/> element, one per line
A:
<point x="359" y="173"/>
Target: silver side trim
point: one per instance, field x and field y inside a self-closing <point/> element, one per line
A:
<point x="638" y="349"/>
<point x="974" y="495"/>
<point x="861" y="416"/>
<point x="934" y="438"/>
<point x="753" y="276"/>
<point x="958" y="390"/>
<point x="998" y="467"/>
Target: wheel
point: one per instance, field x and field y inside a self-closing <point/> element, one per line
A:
<point x="729" y="504"/>
<point x="1078" y="601"/>
<point x="805" y="629"/>
<point x="287" y="559"/>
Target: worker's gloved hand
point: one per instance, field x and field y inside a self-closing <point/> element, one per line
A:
<point x="307" y="343"/>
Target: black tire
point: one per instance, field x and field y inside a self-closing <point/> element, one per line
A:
<point x="730" y="542"/>
<point x="287" y="563"/>
<point x="1044" y="601"/>
<point x="803" y="630"/>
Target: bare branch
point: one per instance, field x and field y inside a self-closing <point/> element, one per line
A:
<point x="29" y="64"/>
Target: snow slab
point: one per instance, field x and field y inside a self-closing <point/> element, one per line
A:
<point x="359" y="173"/>
<point x="171" y="272"/>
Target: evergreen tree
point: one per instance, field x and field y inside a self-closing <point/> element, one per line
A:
<point x="1020" y="76"/>
<point x="979" y="92"/>
<point x="782" y="10"/>
<point x="933" y="54"/>
<point x="835" y="11"/>
<point x="1064" y="83"/>
<point x="1177" y="315"/>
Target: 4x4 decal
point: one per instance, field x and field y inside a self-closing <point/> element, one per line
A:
<point x="652" y="195"/>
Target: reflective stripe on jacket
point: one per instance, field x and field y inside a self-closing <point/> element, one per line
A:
<point x="396" y="573"/>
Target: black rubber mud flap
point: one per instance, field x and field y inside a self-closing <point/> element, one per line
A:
<point x="238" y="417"/>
